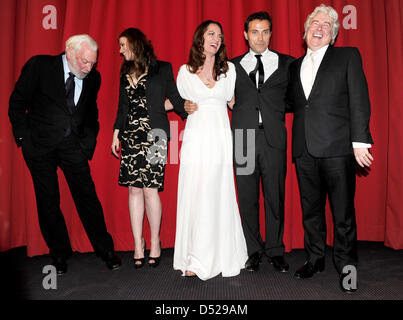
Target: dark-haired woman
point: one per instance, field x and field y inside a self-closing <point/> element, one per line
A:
<point x="209" y="237"/>
<point x="141" y="133"/>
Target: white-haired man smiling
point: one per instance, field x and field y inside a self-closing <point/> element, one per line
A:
<point x="328" y="95"/>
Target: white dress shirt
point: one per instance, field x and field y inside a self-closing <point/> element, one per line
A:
<point x="307" y="80"/>
<point x="78" y="82"/>
<point x="269" y="61"/>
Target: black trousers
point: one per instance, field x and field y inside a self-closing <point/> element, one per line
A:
<point x="270" y="170"/>
<point x="74" y="164"/>
<point x="335" y="178"/>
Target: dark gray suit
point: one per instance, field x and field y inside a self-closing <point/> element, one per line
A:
<point x="40" y="118"/>
<point x="270" y="155"/>
<point x="335" y="114"/>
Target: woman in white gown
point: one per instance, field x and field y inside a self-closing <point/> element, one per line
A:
<point x="209" y="237"/>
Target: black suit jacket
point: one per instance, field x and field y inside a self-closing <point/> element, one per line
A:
<point x="337" y="110"/>
<point x="38" y="111"/>
<point x="269" y="99"/>
<point x="160" y="85"/>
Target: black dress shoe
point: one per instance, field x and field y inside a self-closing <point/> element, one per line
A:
<point x="112" y="261"/>
<point x="252" y="264"/>
<point x="279" y="263"/>
<point x="346" y="285"/>
<point x="309" y="269"/>
<point x="60" y="265"/>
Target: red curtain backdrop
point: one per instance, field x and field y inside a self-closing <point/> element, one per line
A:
<point x="374" y="26"/>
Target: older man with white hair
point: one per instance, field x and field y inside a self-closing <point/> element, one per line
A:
<point x="328" y="95"/>
<point x="54" y="116"/>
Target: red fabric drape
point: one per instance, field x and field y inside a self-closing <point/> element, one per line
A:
<point x="170" y="25"/>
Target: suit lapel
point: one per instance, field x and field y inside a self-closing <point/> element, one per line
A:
<point x="298" y="75"/>
<point x="59" y="83"/>
<point x="241" y="72"/>
<point x="320" y="74"/>
<point x="281" y="65"/>
<point x="83" y="92"/>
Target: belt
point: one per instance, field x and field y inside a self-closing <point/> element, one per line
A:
<point x="261" y="126"/>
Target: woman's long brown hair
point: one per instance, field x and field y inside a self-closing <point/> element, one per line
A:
<point x="142" y="49"/>
<point x="197" y="57"/>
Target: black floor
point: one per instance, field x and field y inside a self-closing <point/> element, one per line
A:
<point x="380" y="277"/>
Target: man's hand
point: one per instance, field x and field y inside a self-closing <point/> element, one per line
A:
<point x="363" y="157"/>
<point x="115" y="144"/>
<point x="190" y="107"/>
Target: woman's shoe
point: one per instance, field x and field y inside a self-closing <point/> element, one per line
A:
<point x="155" y="263"/>
<point x="138" y="265"/>
<point x="189" y="274"/>
<point x="156" y="260"/>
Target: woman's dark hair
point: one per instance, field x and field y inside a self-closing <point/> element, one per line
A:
<point x="197" y="57"/>
<point x="261" y="15"/>
<point x="142" y="49"/>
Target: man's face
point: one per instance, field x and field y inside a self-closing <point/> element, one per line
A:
<point x="81" y="61"/>
<point x="258" y="35"/>
<point x="319" y="33"/>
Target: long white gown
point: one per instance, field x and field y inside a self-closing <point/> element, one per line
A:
<point x="209" y="237"/>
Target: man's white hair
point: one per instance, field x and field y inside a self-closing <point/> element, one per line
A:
<point x="76" y="41"/>
<point x="333" y="16"/>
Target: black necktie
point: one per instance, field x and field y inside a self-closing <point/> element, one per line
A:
<point x="70" y="87"/>
<point x="259" y="67"/>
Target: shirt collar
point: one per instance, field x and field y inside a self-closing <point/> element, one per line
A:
<point x="264" y="53"/>
<point x="65" y="65"/>
<point x="320" y="52"/>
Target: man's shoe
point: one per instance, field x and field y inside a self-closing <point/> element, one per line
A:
<point x="347" y="285"/>
<point x="252" y="264"/>
<point x="112" y="261"/>
<point x="60" y="265"/>
<point x="279" y="263"/>
<point x="309" y="269"/>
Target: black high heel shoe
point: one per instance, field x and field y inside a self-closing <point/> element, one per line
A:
<point x="141" y="260"/>
<point x="156" y="260"/>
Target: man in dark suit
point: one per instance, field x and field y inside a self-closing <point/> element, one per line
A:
<point x="54" y="116"/>
<point x="328" y="94"/>
<point x="262" y="78"/>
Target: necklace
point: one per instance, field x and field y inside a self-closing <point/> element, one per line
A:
<point x="207" y="82"/>
<point x="206" y="78"/>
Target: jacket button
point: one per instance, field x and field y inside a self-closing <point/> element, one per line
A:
<point x="307" y="106"/>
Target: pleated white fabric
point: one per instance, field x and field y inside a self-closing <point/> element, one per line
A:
<point x="209" y="237"/>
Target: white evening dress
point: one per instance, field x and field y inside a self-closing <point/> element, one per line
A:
<point x="209" y="237"/>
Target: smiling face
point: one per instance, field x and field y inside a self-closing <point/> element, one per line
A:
<point x="258" y="35"/>
<point x="125" y="50"/>
<point x="81" y="61"/>
<point x="319" y="33"/>
<point x="212" y="39"/>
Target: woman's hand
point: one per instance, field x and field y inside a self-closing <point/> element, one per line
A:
<point x="115" y="144"/>
<point x="168" y="105"/>
<point x="232" y="102"/>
